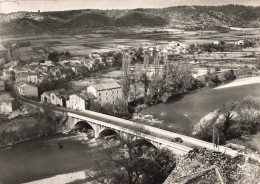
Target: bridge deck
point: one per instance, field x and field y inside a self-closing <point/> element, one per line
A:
<point x="155" y="132"/>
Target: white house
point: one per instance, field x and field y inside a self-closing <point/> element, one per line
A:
<point x="8" y="105"/>
<point x="47" y="63"/>
<point x="239" y="42"/>
<point x="80" y="101"/>
<point x="35" y="78"/>
<point x="216" y="42"/>
<point x="106" y="93"/>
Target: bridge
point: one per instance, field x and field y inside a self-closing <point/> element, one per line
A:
<point x="135" y="131"/>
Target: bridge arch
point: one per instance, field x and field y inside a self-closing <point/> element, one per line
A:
<point x="143" y="142"/>
<point x="108" y="132"/>
<point x="83" y="124"/>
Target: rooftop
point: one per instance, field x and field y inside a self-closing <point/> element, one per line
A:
<point x="56" y="91"/>
<point x="6" y="100"/>
<point x="107" y="86"/>
<point x="86" y="96"/>
<point x="25" y="83"/>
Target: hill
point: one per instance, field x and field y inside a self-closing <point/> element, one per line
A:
<point x="187" y="17"/>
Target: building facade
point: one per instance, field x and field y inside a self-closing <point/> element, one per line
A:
<point x="52" y="96"/>
<point x="27" y="89"/>
<point x="106" y="93"/>
<point x="80" y="101"/>
<point x="8" y="105"/>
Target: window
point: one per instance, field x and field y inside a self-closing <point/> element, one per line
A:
<point x="52" y="97"/>
<point x="106" y="93"/>
<point x="99" y="94"/>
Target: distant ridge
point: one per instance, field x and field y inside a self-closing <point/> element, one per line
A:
<point x="187" y="17"/>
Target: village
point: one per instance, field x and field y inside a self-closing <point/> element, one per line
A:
<point x="157" y="92"/>
<point x="76" y="82"/>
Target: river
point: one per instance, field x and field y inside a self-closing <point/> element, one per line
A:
<point x="184" y="111"/>
<point x="41" y="157"/>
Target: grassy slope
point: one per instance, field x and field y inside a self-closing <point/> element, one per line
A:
<point x="171" y="17"/>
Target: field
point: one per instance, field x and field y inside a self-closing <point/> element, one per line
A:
<point x="81" y="45"/>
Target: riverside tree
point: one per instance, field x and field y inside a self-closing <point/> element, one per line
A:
<point x="134" y="161"/>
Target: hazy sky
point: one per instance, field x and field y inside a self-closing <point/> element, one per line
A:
<point x="7" y="6"/>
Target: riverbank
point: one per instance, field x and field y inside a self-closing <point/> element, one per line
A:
<point x="24" y="128"/>
<point x="62" y="178"/>
<point x="241" y="82"/>
<point x="235" y="122"/>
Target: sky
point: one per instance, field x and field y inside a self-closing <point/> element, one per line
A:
<point x="8" y="6"/>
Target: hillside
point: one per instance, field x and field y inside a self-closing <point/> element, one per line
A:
<point x="187" y="17"/>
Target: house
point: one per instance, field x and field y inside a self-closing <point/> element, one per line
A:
<point x="8" y="105"/>
<point x="27" y="89"/>
<point x="2" y="87"/>
<point x="239" y="42"/>
<point x="8" y="75"/>
<point x="34" y="78"/>
<point x="80" y="101"/>
<point x="110" y="61"/>
<point x="46" y="96"/>
<point x="57" y="97"/>
<point x="216" y="42"/>
<point x="21" y="77"/>
<point x="46" y="63"/>
<point x="106" y="93"/>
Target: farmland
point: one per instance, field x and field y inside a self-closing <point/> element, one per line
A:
<point x="83" y="44"/>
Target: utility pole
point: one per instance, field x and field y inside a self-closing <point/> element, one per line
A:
<point x="218" y="141"/>
<point x="213" y="135"/>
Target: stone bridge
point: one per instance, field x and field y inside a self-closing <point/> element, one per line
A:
<point x="135" y="131"/>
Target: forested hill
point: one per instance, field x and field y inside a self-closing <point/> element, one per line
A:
<point x="188" y="17"/>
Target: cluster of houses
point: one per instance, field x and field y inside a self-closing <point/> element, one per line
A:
<point x="27" y="79"/>
<point x="173" y="48"/>
<point x="92" y="61"/>
<point x="100" y="93"/>
<point x="238" y="42"/>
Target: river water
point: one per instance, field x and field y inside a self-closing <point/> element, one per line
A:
<point x="41" y="157"/>
<point x="183" y="112"/>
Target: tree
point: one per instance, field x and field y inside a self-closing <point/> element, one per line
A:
<point x="126" y="75"/>
<point x="138" y="162"/>
<point x="54" y="57"/>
